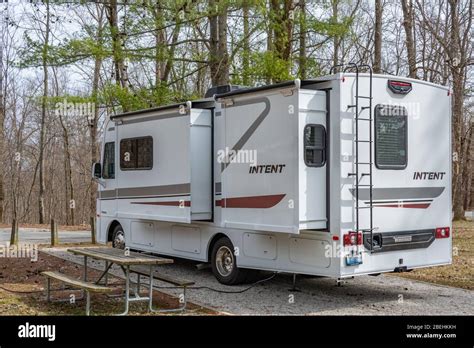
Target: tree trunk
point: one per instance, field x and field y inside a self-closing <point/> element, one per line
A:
<point x="455" y="62"/>
<point x="2" y="124"/>
<point x="44" y="106"/>
<point x="407" y="8"/>
<point x="219" y="57"/>
<point x="378" y="37"/>
<point x="93" y="131"/>
<point x="70" y="204"/>
<point x="282" y="30"/>
<point x="246" y="45"/>
<point x="336" y="41"/>
<point x="121" y="74"/>
<point x="302" y="41"/>
<point x="458" y="190"/>
<point x="467" y="168"/>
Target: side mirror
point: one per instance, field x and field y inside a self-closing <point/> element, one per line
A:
<point x="96" y="171"/>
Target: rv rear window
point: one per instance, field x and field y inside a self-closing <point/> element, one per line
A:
<point x="391" y="137"/>
<point x="314" y="145"/>
<point x="136" y="153"/>
<point x="108" y="171"/>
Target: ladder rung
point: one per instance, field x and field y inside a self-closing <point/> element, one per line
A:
<point x="369" y="163"/>
<point x="351" y="106"/>
<point x="365" y="107"/>
<point x="354" y="174"/>
<point x="364" y="207"/>
<point x="365" y="185"/>
<point x="364" y="141"/>
<point x="363" y="119"/>
<point x="363" y="97"/>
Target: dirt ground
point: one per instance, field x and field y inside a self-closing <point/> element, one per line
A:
<point x="461" y="273"/>
<point x="22" y="291"/>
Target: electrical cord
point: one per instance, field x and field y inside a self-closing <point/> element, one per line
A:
<point x="217" y="290"/>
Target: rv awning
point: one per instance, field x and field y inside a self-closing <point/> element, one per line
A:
<point x="296" y="83"/>
<point x="200" y="103"/>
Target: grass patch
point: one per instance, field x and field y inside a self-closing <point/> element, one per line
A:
<point x="461" y="272"/>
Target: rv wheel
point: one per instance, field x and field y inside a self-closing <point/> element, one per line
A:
<point x="118" y="238"/>
<point x="223" y="263"/>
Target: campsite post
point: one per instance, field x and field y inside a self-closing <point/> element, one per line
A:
<point x="14" y="235"/>
<point x="93" y="231"/>
<point x="54" y="233"/>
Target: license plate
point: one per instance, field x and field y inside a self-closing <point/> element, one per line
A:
<point x="354" y="260"/>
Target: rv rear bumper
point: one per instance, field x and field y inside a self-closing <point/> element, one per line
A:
<point x="399" y="240"/>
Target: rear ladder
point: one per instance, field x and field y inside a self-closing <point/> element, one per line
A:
<point x="368" y="120"/>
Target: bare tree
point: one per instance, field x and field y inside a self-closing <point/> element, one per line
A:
<point x="378" y="37"/>
<point x="44" y="107"/>
<point x="219" y="56"/>
<point x="407" y="8"/>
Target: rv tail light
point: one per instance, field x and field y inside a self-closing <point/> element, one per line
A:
<point x="399" y="87"/>
<point x="353" y="238"/>
<point x="442" y="232"/>
<point x="335" y="237"/>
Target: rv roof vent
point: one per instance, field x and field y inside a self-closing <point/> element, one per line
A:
<point x="222" y="89"/>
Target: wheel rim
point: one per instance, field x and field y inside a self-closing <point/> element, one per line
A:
<point x="224" y="261"/>
<point x="119" y="240"/>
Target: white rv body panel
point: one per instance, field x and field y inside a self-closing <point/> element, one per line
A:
<point x="401" y="202"/>
<point x="263" y="130"/>
<point x="279" y="213"/>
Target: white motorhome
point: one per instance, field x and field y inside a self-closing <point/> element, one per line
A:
<point x="339" y="176"/>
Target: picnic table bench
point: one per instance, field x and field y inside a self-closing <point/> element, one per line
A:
<point x="123" y="258"/>
<point x="141" y="271"/>
<point x="86" y="286"/>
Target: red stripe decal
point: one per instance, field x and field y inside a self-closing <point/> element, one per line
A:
<point x="261" y="202"/>
<point x="408" y="205"/>
<point x="167" y="203"/>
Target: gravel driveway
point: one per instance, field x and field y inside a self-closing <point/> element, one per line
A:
<point x="365" y="295"/>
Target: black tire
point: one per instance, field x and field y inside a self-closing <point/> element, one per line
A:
<point x="118" y="237"/>
<point x="226" y="272"/>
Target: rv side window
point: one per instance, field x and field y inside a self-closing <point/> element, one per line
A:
<point x="108" y="170"/>
<point x="391" y="137"/>
<point x="136" y="153"/>
<point x="314" y="145"/>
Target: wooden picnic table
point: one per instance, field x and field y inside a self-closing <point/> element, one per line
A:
<point x="125" y="259"/>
